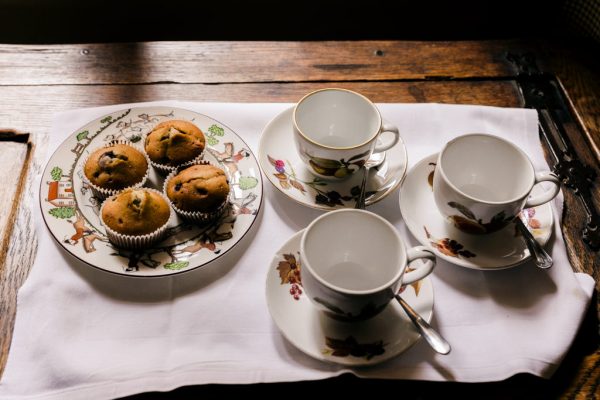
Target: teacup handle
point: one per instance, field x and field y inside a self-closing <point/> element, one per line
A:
<point x="385" y="127"/>
<point x="424" y="269"/>
<point x="548" y="194"/>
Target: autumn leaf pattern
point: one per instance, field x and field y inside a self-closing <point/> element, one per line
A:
<point x="329" y="198"/>
<point x="286" y="180"/>
<point x="470" y="224"/>
<point x="449" y="247"/>
<point x="430" y="176"/>
<point x="463" y="210"/>
<point x="289" y="273"/>
<point x="415" y="285"/>
<point x="351" y="347"/>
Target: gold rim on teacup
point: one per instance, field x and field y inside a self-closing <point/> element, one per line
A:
<point x="305" y="136"/>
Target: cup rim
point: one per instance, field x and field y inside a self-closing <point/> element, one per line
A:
<point x="371" y="137"/>
<point x="397" y="276"/>
<point x="440" y="169"/>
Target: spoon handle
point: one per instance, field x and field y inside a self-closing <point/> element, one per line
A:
<point x="540" y="257"/>
<point x="360" y="201"/>
<point x="435" y="340"/>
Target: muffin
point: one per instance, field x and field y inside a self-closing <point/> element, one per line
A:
<point x="173" y="143"/>
<point x="135" y="218"/>
<point x="199" y="192"/>
<point x="115" y="167"/>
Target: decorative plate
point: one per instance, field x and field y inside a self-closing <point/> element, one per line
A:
<point x="71" y="212"/>
<point x="283" y="167"/>
<point x="503" y="249"/>
<point x="353" y="344"/>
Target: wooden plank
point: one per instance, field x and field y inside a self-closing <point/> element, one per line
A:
<point x="579" y="73"/>
<point x="223" y="62"/>
<point x="17" y="245"/>
<point x="31" y="107"/>
<point x="12" y="158"/>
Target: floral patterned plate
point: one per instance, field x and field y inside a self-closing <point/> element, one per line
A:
<point x="498" y="250"/>
<point x="71" y="213"/>
<point x="283" y="167"/>
<point x="353" y="344"/>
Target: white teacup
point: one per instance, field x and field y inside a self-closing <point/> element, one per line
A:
<point x="337" y="130"/>
<point x="482" y="182"/>
<point x="354" y="262"/>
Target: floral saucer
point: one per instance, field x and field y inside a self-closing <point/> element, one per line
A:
<point x="353" y="344"/>
<point x="283" y="167"/>
<point x="503" y="249"/>
<point x="71" y="211"/>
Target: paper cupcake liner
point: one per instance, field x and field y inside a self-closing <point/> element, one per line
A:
<point x="136" y="242"/>
<point x="197" y="216"/>
<point x="102" y="193"/>
<point x="164" y="169"/>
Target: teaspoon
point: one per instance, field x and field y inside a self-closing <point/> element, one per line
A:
<point x="540" y="257"/>
<point x="373" y="161"/>
<point x="435" y="340"/>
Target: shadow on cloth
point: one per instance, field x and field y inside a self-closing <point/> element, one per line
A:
<point x="165" y="288"/>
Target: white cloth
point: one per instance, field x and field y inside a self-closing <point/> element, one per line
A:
<point x="82" y="333"/>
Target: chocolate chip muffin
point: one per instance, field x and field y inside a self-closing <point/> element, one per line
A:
<point x="115" y="167"/>
<point x="200" y="188"/>
<point x="174" y="142"/>
<point x="135" y="212"/>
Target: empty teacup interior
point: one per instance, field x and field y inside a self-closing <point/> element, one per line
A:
<point x="487" y="168"/>
<point x="337" y="118"/>
<point x="352" y="250"/>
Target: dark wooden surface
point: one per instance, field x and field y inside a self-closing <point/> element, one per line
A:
<point x="36" y="81"/>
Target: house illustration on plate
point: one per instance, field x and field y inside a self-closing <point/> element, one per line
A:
<point x="60" y="193"/>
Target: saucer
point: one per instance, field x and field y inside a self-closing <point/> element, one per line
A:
<point x="283" y="167"/>
<point x="353" y="344"/>
<point x="498" y="250"/>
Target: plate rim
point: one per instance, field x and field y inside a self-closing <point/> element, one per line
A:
<point x="316" y="206"/>
<point x="155" y="276"/>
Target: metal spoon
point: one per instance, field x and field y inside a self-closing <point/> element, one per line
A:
<point x="373" y="161"/>
<point x="540" y="257"/>
<point x="435" y="340"/>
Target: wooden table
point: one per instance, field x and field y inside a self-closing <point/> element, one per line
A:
<point x="38" y="80"/>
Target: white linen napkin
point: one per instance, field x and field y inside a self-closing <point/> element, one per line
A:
<point x="83" y="333"/>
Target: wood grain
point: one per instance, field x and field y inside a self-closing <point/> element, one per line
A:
<point x="578" y="71"/>
<point x="21" y="102"/>
<point x="15" y="159"/>
<point x="227" y="62"/>
<point x="12" y="159"/>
